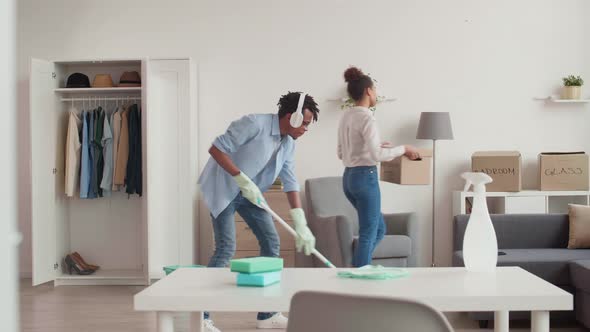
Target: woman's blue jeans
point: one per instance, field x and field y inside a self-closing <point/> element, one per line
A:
<point x="361" y="187"/>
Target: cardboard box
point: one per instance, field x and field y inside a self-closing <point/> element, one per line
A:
<point x="402" y="170"/>
<point x="563" y="171"/>
<point x="503" y="166"/>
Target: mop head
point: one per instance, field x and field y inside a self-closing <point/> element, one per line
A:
<point x="258" y="279"/>
<point x="256" y="265"/>
<point x="374" y="272"/>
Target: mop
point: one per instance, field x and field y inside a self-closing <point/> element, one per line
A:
<point x="369" y="272"/>
<point x="291" y="231"/>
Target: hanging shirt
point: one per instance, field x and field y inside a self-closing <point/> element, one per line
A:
<point x="98" y="153"/>
<point x="358" y="140"/>
<point x="251" y="143"/>
<point x="73" y="146"/>
<point x="123" y="150"/>
<point x="116" y="129"/>
<point x="91" y="129"/>
<point x="85" y="167"/>
<point x="133" y="178"/>
<point x="107" y="147"/>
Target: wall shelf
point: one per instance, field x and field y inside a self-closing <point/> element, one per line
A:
<point x="98" y="90"/>
<point x="555" y="99"/>
<point x="342" y="100"/>
<point x="526" y="201"/>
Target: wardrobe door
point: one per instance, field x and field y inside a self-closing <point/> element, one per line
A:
<point x="170" y="158"/>
<point x="44" y="172"/>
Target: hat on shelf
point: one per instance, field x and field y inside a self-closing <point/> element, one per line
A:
<point x="130" y="79"/>
<point x="78" y="80"/>
<point x="102" y="81"/>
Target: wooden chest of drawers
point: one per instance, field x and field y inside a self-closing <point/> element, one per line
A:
<point x="246" y="242"/>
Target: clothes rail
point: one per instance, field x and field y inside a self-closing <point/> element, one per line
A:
<point x="100" y="98"/>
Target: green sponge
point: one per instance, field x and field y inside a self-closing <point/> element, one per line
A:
<point x="256" y="265"/>
<point x="258" y="279"/>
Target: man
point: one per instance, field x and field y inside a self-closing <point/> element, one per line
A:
<point x="244" y="163"/>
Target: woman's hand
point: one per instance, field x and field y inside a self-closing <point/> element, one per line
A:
<point x="412" y="152"/>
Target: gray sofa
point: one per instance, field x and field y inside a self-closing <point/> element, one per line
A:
<point x="538" y="244"/>
<point x="333" y="221"/>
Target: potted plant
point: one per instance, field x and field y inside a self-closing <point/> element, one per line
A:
<point x="572" y="87"/>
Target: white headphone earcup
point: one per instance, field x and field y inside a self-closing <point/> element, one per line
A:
<point x="296" y="119"/>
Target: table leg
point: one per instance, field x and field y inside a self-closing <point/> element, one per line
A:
<point x="540" y="321"/>
<point x="501" y="321"/>
<point x="196" y="321"/>
<point x="165" y="322"/>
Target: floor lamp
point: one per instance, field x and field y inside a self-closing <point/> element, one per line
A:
<point x="434" y="126"/>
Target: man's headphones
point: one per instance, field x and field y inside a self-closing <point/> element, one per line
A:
<point x="297" y="117"/>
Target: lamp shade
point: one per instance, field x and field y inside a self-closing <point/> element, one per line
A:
<point x="435" y="125"/>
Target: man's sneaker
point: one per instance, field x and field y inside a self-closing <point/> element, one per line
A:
<point x="209" y="327"/>
<point x="276" y="321"/>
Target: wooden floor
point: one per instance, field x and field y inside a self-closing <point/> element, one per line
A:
<point x="110" y="308"/>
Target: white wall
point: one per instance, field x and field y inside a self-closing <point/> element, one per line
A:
<point x="482" y="61"/>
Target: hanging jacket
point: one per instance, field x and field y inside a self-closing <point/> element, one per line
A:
<point x="91" y="129"/>
<point x="122" y="149"/>
<point x="86" y="163"/>
<point x="133" y="179"/>
<point x="73" y="146"/>
<point x="101" y="160"/>
<point x="98" y="157"/>
<point x="106" y="183"/>
<point x="116" y="130"/>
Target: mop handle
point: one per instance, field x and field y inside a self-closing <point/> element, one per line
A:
<point x="292" y="231"/>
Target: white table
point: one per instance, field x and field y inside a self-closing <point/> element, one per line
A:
<point x="446" y="289"/>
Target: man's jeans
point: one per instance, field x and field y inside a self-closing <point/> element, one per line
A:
<point x="224" y="228"/>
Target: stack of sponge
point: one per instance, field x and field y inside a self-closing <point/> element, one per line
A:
<point x="257" y="271"/>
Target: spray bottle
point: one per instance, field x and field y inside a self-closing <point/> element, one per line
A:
<point x="480" y="246"/>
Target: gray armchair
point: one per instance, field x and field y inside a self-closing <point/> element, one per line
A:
<point x="334" y="222"/>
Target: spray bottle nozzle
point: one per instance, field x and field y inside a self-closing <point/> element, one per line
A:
<point x="477" y="179"/>
<point x="467" y="185"/>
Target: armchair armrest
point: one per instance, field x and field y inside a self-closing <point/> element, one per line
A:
<point x="334" y="236"/>
<point x="405" y="224"/>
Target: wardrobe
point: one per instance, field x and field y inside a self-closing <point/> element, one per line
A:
<point x="131" y="237"/>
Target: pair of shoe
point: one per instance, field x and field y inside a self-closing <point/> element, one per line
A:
<point x="276" y="321"/>
<point x="75" y="262"/>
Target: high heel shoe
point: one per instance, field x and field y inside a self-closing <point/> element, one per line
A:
<point x="73" y="266"/>
<point x="79" y="258"/>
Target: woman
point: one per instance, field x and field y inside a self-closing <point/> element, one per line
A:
<point x="360" y="149"/>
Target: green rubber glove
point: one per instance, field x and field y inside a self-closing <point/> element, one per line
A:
<point x="249" y="189"/>
<point x="305" y="239"/>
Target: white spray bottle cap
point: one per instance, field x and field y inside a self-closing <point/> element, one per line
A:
<point x="477" y="179"/>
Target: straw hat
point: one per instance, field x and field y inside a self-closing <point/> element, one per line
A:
<point x="102" y="81"/>
<point x="130" y="79"/>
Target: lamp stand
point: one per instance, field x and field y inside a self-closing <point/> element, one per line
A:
<point x="433" y="194"/>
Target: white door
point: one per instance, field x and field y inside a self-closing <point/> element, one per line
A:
<point x="170" y="158"/>
<point x="44" y="122"/>
<point x="9" y="238"/>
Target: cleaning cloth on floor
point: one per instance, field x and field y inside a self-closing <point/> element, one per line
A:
<point x="374" y="272"/>
<point x="256" y="264"/>
<point x="258" y="279"/>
